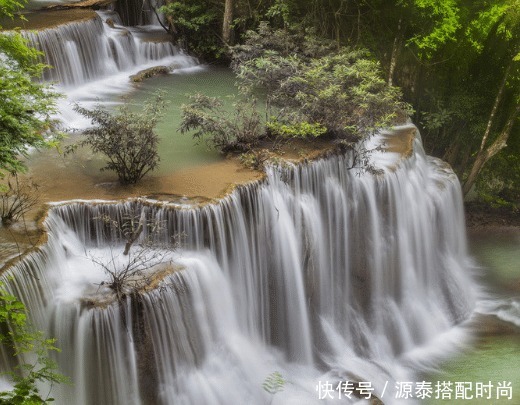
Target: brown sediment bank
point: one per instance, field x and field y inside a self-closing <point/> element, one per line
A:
<point x="490" y="325"/>
<point x="19" y="239"/>
<point x="400" y="141"/>
<point x="94" y="4"/>
<point x="195" y="185"/>
<point x="69" y="178"/>
<point x="206" y="182"/>
<point x="39" y="20"/>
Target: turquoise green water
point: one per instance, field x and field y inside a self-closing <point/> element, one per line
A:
<point x="499" y="254"/>
<point x="176" y="150"/>
<point x="494" y="361"/>
<point x="495" y="358"/>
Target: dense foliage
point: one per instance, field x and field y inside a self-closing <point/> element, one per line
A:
<point x="309" y="87"/>
<point x="194" y="26"/>
<point x="25" y="104"/>
<point x="457" y="62"/>
<point x="310" y="82"/>
<point x="126" y="138"/>
<point x="25" y="118"/>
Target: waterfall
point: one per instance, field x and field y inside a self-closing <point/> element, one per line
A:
<point x="83" y="51"/>
<point x="319" y="272"/>
<point x="91" y="60"/>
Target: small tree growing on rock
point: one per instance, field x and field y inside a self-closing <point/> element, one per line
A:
<point x="127" y="272"/>
<point x="127" y="138"/>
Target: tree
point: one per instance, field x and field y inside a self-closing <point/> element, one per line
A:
<point x="459" y="70"/>
<point x="310" y="89"/>
<point x="26" y="105"/>
<point x="127" y="273"/>
<point x="195" y="25"/>
<point x="314" y="86"/>
<point x="344" y="93"/>
<point x="434" y="23"/>
<point x="501" y="21"/>
<point x="227" y="31"/>
<point x="127" y="138"/>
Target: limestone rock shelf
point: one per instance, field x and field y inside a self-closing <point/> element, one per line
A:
<point x="39" y="20"/>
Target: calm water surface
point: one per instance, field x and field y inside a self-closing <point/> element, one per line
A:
<point x="177" y="150"/>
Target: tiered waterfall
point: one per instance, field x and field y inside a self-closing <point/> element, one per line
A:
<point x="319" y="272"/>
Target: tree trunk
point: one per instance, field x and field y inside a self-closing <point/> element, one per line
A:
<point x="228" y="20"/>
<point x="485" y="154"/>
<point x="169" y="28"/>
<point x="135" y="234"/>
<point x="498" y="98"/>
<point x="395" y="53"/>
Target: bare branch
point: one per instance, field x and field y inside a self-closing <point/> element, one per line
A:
<point x="129" y="275"/>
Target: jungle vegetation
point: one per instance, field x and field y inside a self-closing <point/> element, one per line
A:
<point x="456" y="61"/>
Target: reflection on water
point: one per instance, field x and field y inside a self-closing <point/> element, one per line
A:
<point x="176" y="150"/>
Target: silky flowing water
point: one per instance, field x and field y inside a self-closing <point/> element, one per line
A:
<point x="321" y="273"/>
<point x="92" y="62"/>
<point x="177" y="151"/>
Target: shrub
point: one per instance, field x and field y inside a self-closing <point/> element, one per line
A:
<point x="309" y="88"/>
<point x="127" y="138"/>
<point x="308" y="85"/>
<point x="296" y="130"/>
<point x="127" y="273"/>
<point x="17" y="199"/>
<point x="255" y="159"/>
<point x="344" y="93"/>
<point x="239" y="130"/>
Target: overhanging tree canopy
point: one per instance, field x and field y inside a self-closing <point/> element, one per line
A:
<point x="26" y="105"/>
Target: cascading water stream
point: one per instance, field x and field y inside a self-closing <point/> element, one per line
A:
<point x="91" y="60"/>
<point x="318" y="272"/>
<point x="84" y="51"/>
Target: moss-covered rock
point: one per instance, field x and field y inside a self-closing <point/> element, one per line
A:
<point x="150" y="72"/>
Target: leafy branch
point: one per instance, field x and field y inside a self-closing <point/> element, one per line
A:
<point x="23" y="343"/>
